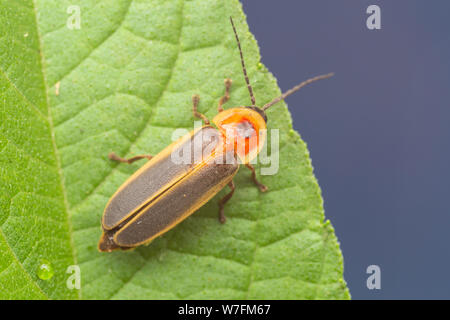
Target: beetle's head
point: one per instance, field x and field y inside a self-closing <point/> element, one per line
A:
<point x="244" y="129"/>
<point x="259" y="110"/>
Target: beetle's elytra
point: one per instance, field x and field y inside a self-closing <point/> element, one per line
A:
<point x="164" y="192"/>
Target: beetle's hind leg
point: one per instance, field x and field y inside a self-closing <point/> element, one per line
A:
<point x="226" y="97"/>
<point x="115" y="157"/>
<point x="224" y="200"/>
<point x="195" y="101"/>
<point x="262" y="187"/>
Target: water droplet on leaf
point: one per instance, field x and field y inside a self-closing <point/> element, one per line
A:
<point x="45" y="270"/>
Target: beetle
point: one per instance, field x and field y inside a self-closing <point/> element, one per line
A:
<point x="164" y="192"/>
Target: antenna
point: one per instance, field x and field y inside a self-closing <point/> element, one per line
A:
<point x="250" y="90"/>
<point x="296" y="88"/>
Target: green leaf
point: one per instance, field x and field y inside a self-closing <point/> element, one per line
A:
<point x="123" y="83"/>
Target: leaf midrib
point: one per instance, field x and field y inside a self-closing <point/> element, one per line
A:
<point x="55" y="149"/>
<point x="49" y="119"/>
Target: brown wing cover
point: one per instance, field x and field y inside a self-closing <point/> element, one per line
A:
<point x="177" y="203"/>
<point x="157" y="175"/>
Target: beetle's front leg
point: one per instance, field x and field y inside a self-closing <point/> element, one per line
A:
<point x="226" y="97"/>
<point x="115" y="157"/>
<point x="262" y="187"/>
<point x="195" y="101"/>
<point x="224" y="200"/>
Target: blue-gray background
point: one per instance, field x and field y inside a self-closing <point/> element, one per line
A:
<point x="378" y="132"/>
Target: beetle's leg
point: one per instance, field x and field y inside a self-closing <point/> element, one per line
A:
<point x="261" y="187"/>
<point x="195" y="100"/>
<point x="224" y="200"/>
<point x="226" y="97"/>
<point x="115" y="157"/>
